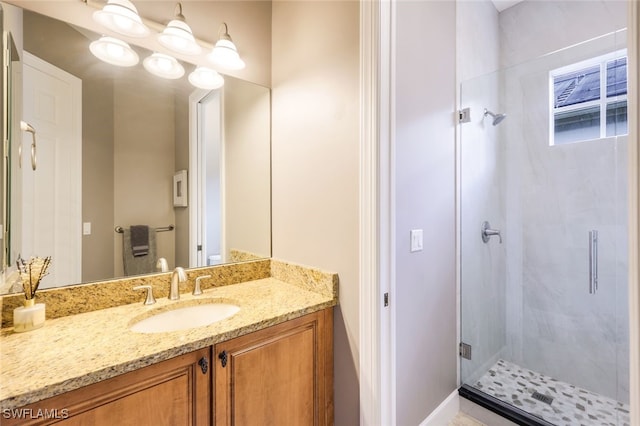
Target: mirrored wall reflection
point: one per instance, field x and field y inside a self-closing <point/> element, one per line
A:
<point x="110" y="141"/>
<point x="544" y="307"/>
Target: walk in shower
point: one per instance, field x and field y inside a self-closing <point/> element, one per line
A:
<point x="543" y="237"/>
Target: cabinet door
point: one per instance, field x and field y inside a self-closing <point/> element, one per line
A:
<point x="282" y="375"/>
<point x="173" y="392"/>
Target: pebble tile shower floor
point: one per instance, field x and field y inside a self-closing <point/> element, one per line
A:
<point x="571" y="405"/>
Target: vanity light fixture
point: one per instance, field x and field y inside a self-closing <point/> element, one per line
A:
<point x="206" y="78"/>
<point x="122" y="17"/>
<point x="178" y="37"/>
<point x="114" y="52"/>
<point x="225" y="54"/>
<point x="163" y="66"/>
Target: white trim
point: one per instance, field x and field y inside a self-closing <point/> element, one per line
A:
<point x="444" y="412"/>
<point x="387" y="174"/>
<point x="633" y="91"/>
<point x="198" y="166"/>
<point x="370" y="333"/>
<point x="194" y="198"/>
<point x="377" y="372"/>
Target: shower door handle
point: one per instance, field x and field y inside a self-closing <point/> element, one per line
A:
<point x="593" y="261"/>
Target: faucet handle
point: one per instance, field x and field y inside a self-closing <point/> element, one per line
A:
<point x="197" y="291"/>
<point x="150" y="300"/>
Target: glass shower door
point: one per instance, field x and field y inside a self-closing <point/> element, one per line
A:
<point x="543" y="304"/>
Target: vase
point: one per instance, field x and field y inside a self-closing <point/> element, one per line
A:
<point x="28" y="317"/>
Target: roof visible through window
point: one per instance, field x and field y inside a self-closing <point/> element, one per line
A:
<point x="577" y="87"/>
<point x="617" y="77"/>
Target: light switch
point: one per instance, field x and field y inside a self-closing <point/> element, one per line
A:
<point x="416" y="240"/>
<point x="86" y="228"/>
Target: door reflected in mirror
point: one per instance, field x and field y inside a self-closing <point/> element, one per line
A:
<point x="109" y="142"/>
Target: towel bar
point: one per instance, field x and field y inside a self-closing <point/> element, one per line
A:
<point x="120" y="229"/>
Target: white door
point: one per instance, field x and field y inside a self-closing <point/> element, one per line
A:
<point x="207" y="180"/>
<point x="51" y="194"/>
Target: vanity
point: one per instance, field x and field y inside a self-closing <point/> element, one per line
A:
<point x="272" y="359"/>
<point x="137" y="143"/>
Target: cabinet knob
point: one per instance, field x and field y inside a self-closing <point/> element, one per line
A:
<point x="223" y="358"/>
<point x="204" y="365"/>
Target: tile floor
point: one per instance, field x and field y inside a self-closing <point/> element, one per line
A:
<point x="463" y="420"/>
<point x="571" y="405"/>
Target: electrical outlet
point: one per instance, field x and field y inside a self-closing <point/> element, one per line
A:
<point x="416" y="240"/>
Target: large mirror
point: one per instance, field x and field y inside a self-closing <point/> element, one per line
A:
<point x="104" y="148"/>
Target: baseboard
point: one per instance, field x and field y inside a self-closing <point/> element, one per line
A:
<point x="444" y="412"/>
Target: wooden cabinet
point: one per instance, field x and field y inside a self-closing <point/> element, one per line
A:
<point x="173" y="392"/>
<point x="281" y="375"/>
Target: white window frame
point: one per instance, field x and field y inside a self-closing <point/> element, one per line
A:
<point x="602" y="102"/>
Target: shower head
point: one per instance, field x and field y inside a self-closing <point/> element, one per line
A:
<point x="497" y="118"/>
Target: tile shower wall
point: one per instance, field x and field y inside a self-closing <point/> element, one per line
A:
<point x="554" y="196"/>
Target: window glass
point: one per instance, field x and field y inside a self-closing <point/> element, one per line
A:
<point x="617" y="118"/>
<point x="577" y="125"/>
<point x="589" y="99"/>
<point x="617" y="77"/>
<point x="577" y="87"/>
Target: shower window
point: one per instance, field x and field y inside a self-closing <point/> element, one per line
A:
<point x="589" y="99"/>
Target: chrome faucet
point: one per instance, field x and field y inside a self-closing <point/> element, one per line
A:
<point x="178" y="276"/>
<point x="162" y="265"/>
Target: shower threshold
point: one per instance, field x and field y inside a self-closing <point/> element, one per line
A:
<point x="533" y="399"/>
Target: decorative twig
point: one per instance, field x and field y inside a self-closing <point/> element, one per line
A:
<point x="32" y="273"/>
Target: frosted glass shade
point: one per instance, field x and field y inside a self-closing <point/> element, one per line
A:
<point x="163" y="66"/>
<point x="178" y="37"/>
<point x="114" y="52"/>
<point x="206" y="78"/>
<point x="225" y="55"/>
<point x="122" y="17"/>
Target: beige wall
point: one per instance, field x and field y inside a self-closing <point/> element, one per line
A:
<point x="315" y="107"/>
<point x="97" y="179"/>
<point x="144" y="146"/>
<point x="247" y="183"/>
<point x="424" y="90"/>
<point x="182" y="163"/>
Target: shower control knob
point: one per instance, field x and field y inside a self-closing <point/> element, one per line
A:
<point x="487" y="232"/>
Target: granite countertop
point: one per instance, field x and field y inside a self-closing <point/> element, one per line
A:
<point x="74" y="351"/>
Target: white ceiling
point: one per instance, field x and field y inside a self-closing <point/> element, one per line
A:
<point x="504" y="4"/>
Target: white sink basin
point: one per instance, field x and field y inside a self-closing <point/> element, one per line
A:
<point x="186" y="317"/>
